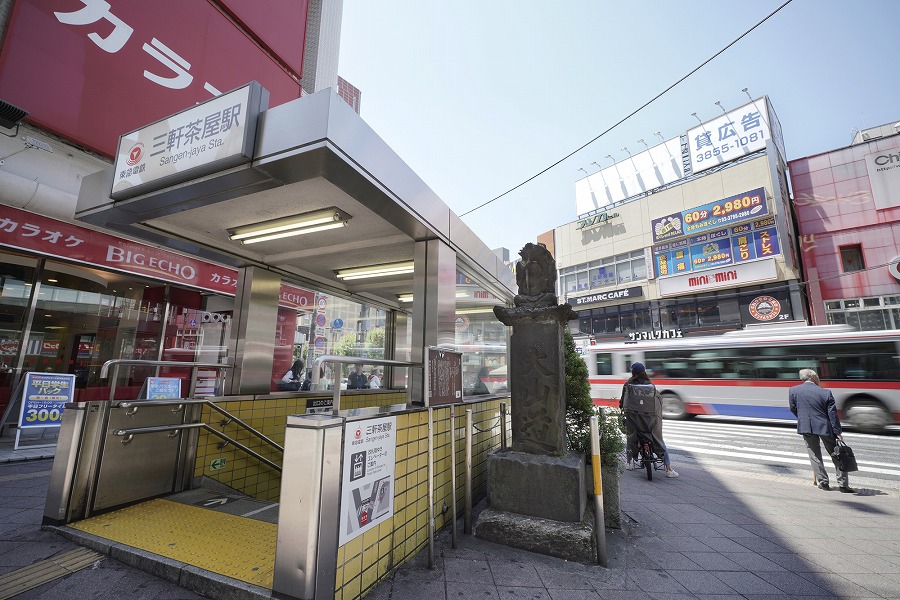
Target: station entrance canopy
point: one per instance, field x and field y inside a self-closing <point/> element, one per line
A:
<point x="310" y="154"/>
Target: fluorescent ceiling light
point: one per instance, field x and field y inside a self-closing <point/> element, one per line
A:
<point x="405" y="297"/>
<point x="474" y="311"/>
<point x="401" y="268"/>
<point x="320" y="220"/>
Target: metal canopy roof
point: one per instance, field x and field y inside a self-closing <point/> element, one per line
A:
<point x="311" y="153"/>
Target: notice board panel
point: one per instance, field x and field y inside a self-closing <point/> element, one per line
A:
<point x="444" y="376"/>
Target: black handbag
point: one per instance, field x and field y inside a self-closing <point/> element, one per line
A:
<point x="843" y="454"/>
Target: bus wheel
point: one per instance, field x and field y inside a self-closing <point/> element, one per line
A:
<point x="869" y="416"/>
<point x="673" y="407"/>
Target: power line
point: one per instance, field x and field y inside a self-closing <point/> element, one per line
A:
<point x="632" y="113"/>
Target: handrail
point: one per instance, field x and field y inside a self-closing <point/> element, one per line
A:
<point x="352" y="360"/>
<point x="209" y="403"/>
<point x="115" y="363"/>
<point x="129" y="433"/>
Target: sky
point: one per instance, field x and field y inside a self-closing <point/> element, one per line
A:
<point x="479" y="96"/>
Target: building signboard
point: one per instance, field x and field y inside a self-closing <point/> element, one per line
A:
<point x="730" y="136"/>
<point x="884" y="176"/>
<point x="639" y="173"/>
<point x="117" y="65"/>
<point x="656" y="334"/>
<point x="740" y="207"/>
<point x="209" y="137"/>
<point x="599" y="219"/>
<point x="632" y="292"/>
<point x="726" y="277"/>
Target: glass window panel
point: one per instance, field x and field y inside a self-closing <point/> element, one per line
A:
<point x="687" y="315"/>
<point x="583" y="283"/>
<point x="852" y="258"/>
<point x="623" y="272"/>
<point x="833" y="305"/>
<point x="851" y="303"/>
<point x="639" y="267"/>
<point x="870" y="302"/>
<point x="482" y="339"/>
<point x="622" y="257"/>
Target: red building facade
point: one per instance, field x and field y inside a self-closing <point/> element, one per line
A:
<point x="847" y="204"/>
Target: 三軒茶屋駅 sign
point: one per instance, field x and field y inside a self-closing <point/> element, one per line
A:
<point x="215" y="135"/>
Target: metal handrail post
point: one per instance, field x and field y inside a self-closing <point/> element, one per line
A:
<point x="599" y="517"/>
<point x="453" y="471"/>
<point x="503" y="425"/>
<point x="467" y="522"/>
<point x="430" y="471"/>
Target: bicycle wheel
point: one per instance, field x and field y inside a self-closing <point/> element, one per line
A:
<point x="648" y="461"/>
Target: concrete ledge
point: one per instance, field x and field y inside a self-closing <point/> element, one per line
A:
<point x="571" y="541"/>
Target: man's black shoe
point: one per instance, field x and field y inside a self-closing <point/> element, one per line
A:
<point x="824" y="486"/>
<point x="847" y="490"/>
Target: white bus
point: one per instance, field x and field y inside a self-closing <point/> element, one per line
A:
<point x="747" y="373"/>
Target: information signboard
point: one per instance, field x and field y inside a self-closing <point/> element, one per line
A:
<point x="163" y="388"/>
<point x="367" y="490"/>
<point x="444" y="374"/>
<point x="44" y="397"/>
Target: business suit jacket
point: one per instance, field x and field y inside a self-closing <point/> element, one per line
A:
<point x="815" y="409"/>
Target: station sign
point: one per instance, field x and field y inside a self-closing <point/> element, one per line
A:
<point x="209" y="137"/>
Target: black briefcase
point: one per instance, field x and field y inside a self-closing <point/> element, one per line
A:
<point x="843" y="454"/>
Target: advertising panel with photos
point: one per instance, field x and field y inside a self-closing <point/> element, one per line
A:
<point x="747" y="241"/>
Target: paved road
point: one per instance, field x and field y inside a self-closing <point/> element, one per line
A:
<point x="777" y="449"/>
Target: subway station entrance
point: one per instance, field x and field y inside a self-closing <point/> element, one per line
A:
<point x="276" y="468"/>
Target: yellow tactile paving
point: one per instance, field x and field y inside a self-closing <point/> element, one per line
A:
<point x="236" y="547"/>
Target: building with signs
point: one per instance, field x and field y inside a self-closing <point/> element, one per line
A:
<point x="146" y="145"/>
<point x="847" y="203"/>
<point x="691" y="236"/>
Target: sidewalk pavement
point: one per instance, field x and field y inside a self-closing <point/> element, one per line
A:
<point x="709" y="534"/>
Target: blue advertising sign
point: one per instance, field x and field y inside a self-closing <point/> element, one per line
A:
<point x="163" y="388"/>
<point x="710" y="215"/>
<point x="44" y="398"/>
<point x="734" y="245"/>
<point x="710" y="255"/>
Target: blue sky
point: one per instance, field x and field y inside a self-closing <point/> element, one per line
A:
<point x="477" y="97"/>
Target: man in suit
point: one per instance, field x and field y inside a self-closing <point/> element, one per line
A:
<point x="817" y="421"/>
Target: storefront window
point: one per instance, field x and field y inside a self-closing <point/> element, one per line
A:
<point x="16" y="277"/>
<point x="480" y="337"/>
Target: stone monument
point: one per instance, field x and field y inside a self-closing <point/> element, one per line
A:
<point x="537" y="489"/>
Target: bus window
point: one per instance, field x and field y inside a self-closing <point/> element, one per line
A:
<point x="604" y="363"/>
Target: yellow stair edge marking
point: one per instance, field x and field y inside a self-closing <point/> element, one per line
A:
<point x="55" y="567"/>
<point x="229" y="545"/>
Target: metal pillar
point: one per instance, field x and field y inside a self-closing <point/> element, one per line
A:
<point x="306" y="548"/>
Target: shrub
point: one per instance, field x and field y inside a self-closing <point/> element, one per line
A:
<point x="579" y="406"/>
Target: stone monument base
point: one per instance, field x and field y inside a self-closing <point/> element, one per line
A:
<point x="569" y="541"/>
<point x="547" y="487"/>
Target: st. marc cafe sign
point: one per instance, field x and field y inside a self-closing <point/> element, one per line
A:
<point x="632" y="292"/>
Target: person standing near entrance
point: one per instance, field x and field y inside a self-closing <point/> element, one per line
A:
<point x="817" y="421"/>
